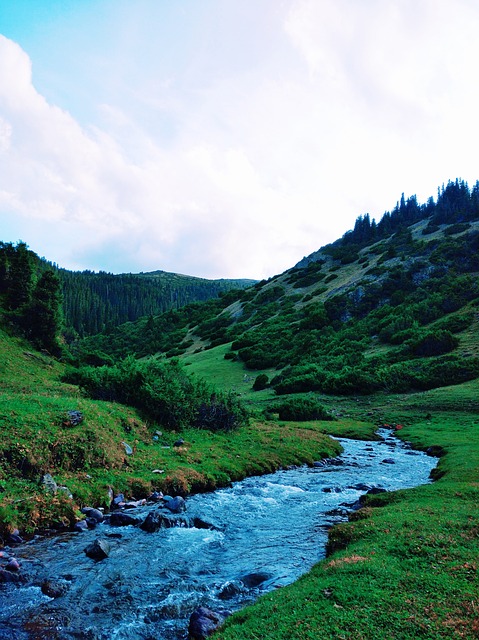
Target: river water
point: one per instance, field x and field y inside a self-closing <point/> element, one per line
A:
<point x="270" y="530"/>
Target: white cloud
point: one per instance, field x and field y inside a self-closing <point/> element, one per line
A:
<point x="234" y="151"/>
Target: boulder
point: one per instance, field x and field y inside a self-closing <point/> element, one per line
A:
<point x="98" y="550"/>
<point x="360" y="486"/>
<point x="133" y="504"/>
<point x="388" y="461"/>
<point x="80" y="526"/>
<point x="199" y="523"/>
<point x="203" y="622"/>
<point x="175" y="505"/>
<point x="231" y="589"/>
<point x="156" y="496"/>
<point x="10" y="576"/>
<point x="12" y="565"/>
<point x="162" y="520"/>
<point x="54" y="588"/>
<point x="121" y="519"/>
<point x="14" y="537"/>
<point x="49" y="483"/>
<point x="255" y="579"/>
<point x="118" y="500"/>
<point x="93" y="514"/>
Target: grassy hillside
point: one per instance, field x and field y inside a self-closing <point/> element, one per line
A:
<point x="37" y="438"/>
<point x="394" y="314"/>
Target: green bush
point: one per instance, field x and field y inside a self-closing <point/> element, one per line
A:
<point x="164" y="392"/>
<point x="261" y="382"/>
<point x="433" y="343"/>
<point x="301" y="409"/>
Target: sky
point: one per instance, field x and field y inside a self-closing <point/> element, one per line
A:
<point x="226" y="138"/>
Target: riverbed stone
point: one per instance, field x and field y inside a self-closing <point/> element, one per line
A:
<point x="175" y="505"/>
<point x="12" y="565"/>
<point x="55" y="587"/>
<point x="231" y="589"/>
<point x="160" y="519"/>
<point x="93" y="514"/>
<point x="80" y="526"/>
<point x="255" y="579"/>
<point x="10" y="576"/>
<point x="98" y="550"/>
<point x="121" y="519"/>
<point x="14" y="537"/>
<point x="203" y="622"/>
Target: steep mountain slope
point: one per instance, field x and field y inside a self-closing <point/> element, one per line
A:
<point x="391" y="306"/>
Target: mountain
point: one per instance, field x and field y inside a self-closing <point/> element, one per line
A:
<point x="390" y="306"/>
<point x="94" y="302"/>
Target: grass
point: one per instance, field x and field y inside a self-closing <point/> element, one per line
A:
<point x="228" y="375"/>
<point x="90" y="458"/>
<point x="404" y="567"/>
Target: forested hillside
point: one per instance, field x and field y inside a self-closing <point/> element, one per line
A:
<point x="391" y="306"/>
<point x="95" y="302"/>
<point x="89" y="302"/>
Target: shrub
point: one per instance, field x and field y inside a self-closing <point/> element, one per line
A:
<point x="164" y="392"/>
<point x="433" y="343"/>
<point x="301" y="409"/>
<point x="261" y="382"/>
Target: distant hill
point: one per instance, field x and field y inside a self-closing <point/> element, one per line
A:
<point x="389" y="306"/>
<point x="95" y="302"/>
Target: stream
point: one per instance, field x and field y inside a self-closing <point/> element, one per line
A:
<point x="269" y="530"/>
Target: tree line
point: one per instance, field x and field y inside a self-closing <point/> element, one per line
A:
<point x="32" y="296"/>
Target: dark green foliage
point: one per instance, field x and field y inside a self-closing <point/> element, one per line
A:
<point x="261" y="382"/>
<point x="18" y="274"/>
<point x="301" y="409"/>
<point x="220" y="414"/>
<point x="42" y="316"/>
<point x="428" y="374"/>
<point x="456" y="203"/>
<point x="32" y="296"/>
<point x="455" y="323"/>
<point x="431" y="227"/>
<point x="314" y="317"/>
<point x="96" y="302"/>
<point x="269" y="294"/>
<point x="454" y="229"/>
<point x="433" y="343"/>
<point x="163" y="392"/>
<point x="345" y="252"/>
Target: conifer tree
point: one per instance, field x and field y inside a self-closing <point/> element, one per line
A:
<point x="42" y="318"/>
<point x="20" y="276"/>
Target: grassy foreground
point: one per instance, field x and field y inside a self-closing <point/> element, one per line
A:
<point x="407" y="565"/>
<point x="90" y="458"/>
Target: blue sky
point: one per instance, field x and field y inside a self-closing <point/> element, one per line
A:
<point x="225" y="138"/>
